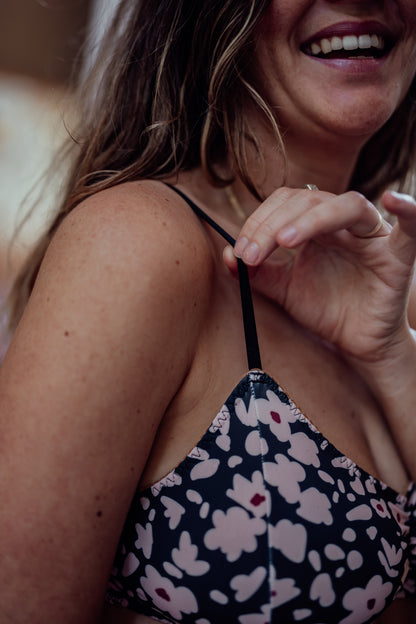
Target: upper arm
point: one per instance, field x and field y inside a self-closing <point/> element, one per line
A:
<point x="103" y="346"/>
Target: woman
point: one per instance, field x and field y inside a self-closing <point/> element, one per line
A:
<point x="293" y="503"/>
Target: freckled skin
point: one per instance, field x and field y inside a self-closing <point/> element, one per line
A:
<point x="154" y="350"/>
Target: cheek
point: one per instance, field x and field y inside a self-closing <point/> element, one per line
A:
<point x="276" y="18"/>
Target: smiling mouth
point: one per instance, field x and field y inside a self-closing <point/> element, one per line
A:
<point x="349" y="47"/>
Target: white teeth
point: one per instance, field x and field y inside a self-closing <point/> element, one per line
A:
<point x="377" y="42"/>
<point x="326" y="46"/>
<point x="315" y="49"/>
<point x="336" y="43"/>
<point x="364" y="42"/>
<point x="349" y="42"/>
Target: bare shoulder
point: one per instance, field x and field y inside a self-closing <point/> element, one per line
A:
<point x="126" y="266"/>
<point x="103" y="346"/>
<point x="123" y="266"/>
<point x="139" y="226"/>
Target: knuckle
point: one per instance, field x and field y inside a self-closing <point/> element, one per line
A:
<point x="284" y="193"/>
<point x="359" y="199"/>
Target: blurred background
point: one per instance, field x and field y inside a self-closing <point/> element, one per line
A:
<point x="40" y="43"/>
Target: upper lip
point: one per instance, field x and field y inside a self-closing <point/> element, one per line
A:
<point x="343" y="29"/>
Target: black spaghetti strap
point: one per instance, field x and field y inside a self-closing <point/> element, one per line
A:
<point x="250" y="330"/>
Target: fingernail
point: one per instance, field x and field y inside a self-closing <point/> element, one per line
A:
<point x="288" y="234"/>
<point x="251" y="253"/>
<point x="239" y="247"/>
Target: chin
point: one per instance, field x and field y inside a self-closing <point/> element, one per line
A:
<point x="358" y="120"/>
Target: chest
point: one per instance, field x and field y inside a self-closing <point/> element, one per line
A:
<point x="273" y="519"/>
<point x="317" y="380"/>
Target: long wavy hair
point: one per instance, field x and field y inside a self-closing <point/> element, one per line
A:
<point x="168" y="93"/>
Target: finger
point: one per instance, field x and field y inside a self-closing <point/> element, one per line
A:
<point x="258" y="217"/>
<point x="403" y="237"/>
<point x="350" y="211"/>
<point x="231" y="262"/>
<point x="403" y="207"/>
<point x="257" y="238"/>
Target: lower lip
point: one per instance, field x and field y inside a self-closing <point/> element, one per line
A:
<point x="353" y="65"/>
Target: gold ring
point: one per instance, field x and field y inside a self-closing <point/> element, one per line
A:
<point x="311" y="187"/>
<point x="376" y="228"/>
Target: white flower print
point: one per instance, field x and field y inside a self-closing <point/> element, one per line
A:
<point x="194" y="496"/>
<point x="333" y="552"/>
<point x="222" y="423"/>
<point x="250" y="494"/>
<point x="361" y="512"/>
<point x="225" y="537"/>
<point x="304" y="450"/>
<point x="284" y="590"/>
<point x="370" y="485"/>
<point x="167" y="597"/>
<point x="257" y="618"/>
<point x="346" y="464"/>
<point x="172" y="570"/>
<point x="141" y="594"/>
<point x="144" y="539"/>
<point x="354" y="560"/>
<point x="301" y="614"/>
<point x="390" y="557"/>
<point x="357" y="486"/>
<point x="185" y="557"/>
<point x="205" y="469"/>
<point x="224" y="442"/>
<point x="380" y="507"/>
<point x="255" y="445"/>
<point x="322" y="590"/>
<point x="246" y="585"/>
<point x="173" y="510"/>
<point x="270" y="411"/>
<point x="326" y="477"/>
<point x="247" y="416"/>
<point x="277" y="415"/>
<point x="204" y="510"/>
<point x="314" y="559"/>
<point x="265" y="513"/>
<point x="315" y="506"/>
<point x="131" y="563"/>
<point x="290" y="539"/>
<point x="285" y="475"/>
<point x="400" y="517"/>
<point x="218" y="596"/>
<point x="366" y="602"/>
<point x="349" y="535"/>
<point x="234" y="460"/>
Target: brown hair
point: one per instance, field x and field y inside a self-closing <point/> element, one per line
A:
<point x="168" y="93"/>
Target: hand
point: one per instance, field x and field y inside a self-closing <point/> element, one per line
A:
<point x="311" y="255"/>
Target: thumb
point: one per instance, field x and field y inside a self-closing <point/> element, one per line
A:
<point x="231" y="263"/>
<point x="230" y="260"/>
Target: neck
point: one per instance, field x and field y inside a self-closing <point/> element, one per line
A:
<point x="326" y="160"/>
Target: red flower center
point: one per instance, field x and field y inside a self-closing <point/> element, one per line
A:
<point x="276" y="417"/>
<point x="257" y="499"/>
<point x="371" y="603"/>
<point x="162" y="593"/>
